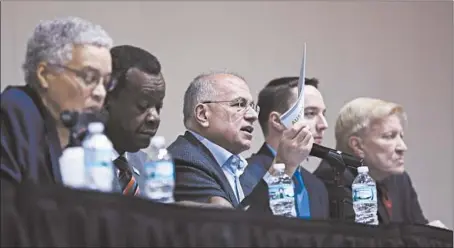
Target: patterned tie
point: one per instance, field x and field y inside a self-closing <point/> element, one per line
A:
<point x="128" y="183"/>
<point x="235" y="166"/>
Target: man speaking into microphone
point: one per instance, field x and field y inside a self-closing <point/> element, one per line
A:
<point x="276" y="98"/>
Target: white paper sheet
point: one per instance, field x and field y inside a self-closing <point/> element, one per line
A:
<point x="296" y="112"/>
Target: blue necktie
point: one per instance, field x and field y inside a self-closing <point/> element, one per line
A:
<point x="301" y="197"/>
<point x="235" y="166"/>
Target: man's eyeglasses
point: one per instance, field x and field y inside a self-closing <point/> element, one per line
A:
<point x="90" y="76"/>
<point x="240" y="105"/>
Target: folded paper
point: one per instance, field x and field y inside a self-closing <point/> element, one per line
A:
<point x="296" y="112"/>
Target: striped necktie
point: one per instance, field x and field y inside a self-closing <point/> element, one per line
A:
<point x="128" y="183"/>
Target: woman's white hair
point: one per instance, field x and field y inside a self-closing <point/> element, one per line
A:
<point x="357" y="115"/>
<point x="53" y="40"/>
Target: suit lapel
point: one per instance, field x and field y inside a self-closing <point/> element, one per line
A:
<point x="264" y="150"/>
<point x="208" y="156"/>
<point x="136" y="163"/>
<point x="314" y="202"/>
<point x="256" y="169"/>
<point x="388" y="183"/>
<point x="382" y="212"/>
<point x="51" y="136"/>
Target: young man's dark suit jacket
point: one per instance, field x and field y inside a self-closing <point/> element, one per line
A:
<point x="405" y="204"/>
<point x="29" y="139"/>
<point x="199" y="177"/>
<point x="260" y="162"/>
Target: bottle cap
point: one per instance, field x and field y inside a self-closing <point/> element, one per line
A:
<point x="363" y="169"/>
<point x="96" y="127"/>
<point x="279" y="166"/>
<point x="158" y="141"/>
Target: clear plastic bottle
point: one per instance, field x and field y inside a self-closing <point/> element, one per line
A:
<point x="72" y="167"/>
<point x="160" y="172"/>
<point x="98" y="150"/>
<point x="281" y="193"/>
<point x="364" y="196"/>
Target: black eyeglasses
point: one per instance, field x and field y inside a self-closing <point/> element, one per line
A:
<point x="240" y="104"/>
<point x="90" y="76"/>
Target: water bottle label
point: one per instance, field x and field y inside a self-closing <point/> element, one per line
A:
<point x="99" y="169"/>
<point x="160" y="169"/>
<point x="281" y="199"/>
<point x="364" y="193"/>
<point x="160" y="180"/>
<point x="280" y="191"/>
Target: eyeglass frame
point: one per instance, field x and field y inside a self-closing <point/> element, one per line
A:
<point x="108" y="81"/>
<point x="250" y="104"/>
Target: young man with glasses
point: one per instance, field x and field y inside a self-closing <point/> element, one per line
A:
<point x="219" y="114"/>
<point x="67" y="67"/>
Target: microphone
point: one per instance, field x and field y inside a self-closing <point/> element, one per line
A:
<point x="77" y="123"/>
<point x="335" y="156"/>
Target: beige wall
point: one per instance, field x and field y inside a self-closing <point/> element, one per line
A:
<point x="401" y="52"/>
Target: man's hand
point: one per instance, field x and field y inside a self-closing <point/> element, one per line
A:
<point x="294" y="147"/>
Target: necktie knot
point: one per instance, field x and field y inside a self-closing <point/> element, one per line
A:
<point x="121" y="163"/>
<point x="235" y="164"/>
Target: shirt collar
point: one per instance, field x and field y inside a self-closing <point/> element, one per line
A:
<point x="271" y="150"/>
<point x="220" y="154"/>
<point x="115" y="155"/>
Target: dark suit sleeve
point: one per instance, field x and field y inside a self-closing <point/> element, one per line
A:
<point x="414" y="207"/>
<point x="10" y="167"/>
<point x="324" y="200"/>
<point x="194" y="184"/>
<point x="333" y="193"/>
<point x="258" y="200"/>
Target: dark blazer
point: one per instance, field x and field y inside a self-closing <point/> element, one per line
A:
<point x="405" y="204"/>
<point x="260" y="162"/>
<point x="199" y="177"/>
<point x="29" y="139"/>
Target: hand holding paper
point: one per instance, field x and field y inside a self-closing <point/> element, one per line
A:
<point x="294" y="147"/>
<point x="296" y="141"/>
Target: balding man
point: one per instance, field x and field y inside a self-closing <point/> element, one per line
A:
<point x="218" y="114"/>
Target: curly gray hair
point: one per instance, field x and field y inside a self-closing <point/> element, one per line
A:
<point x="53" y="41"/>
<point x="201" y="89"/>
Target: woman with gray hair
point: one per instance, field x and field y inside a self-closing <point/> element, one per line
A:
<point x="373" y="130"/>
<point x="67" y="67"/>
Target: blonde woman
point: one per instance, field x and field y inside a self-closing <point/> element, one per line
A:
<point x="373" y="129"/>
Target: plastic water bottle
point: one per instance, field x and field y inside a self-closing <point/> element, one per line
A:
<point x="281" y="193"/>
<point x="160" y="172"/>
<point x="364" y="197"/>
<point x="98" y="150"/>
<point x="72" y="167"/>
